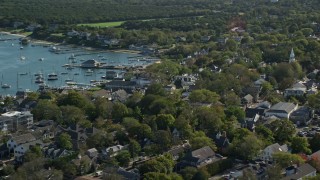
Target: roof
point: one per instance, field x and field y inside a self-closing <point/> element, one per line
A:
<point x="121" y="83"/>
<point x="316" y="155"/>
<point x="202" y="153"/>
<point x="283" y="106"/>
<point x="299" y="85"/>
<point x="21" y="139"/>
<point x="301" y="171"/>
<point x="277" y="148"/>
<point x="248" y="97"/>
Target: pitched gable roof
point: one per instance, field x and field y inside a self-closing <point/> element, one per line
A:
<point x="21" y="139"/>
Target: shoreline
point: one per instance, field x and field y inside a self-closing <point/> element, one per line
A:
<point x="37" y="41"/>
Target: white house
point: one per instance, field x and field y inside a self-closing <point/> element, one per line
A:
<point x="267" y="153"/>
<point x="113" y="150"/>
<point x="297" y="89"/>
<point x="13" y="142"/>
<point x="281" y="110"/>
<point x="21" y="149"/>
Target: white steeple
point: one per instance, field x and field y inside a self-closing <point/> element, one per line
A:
<point x="292" y="56"/>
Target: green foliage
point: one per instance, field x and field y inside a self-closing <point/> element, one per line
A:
<point x="200" y="140"/>
<point x="203" y="96"/>
<point x="188" y="172"/>
<point x="219" y="166"/>
<point x="236" y="112"/>
<point x="123" y="158"/>
<point x="265" y="134"/>
<point x="64" y="141"/>
<point x="283" y="130"/>
<point x="156" y="89"/>
<point x="134" y="148"/>
<point x="161" y="164"/>
<point x="284" y="159"/>
<point x="33" y="153"/>
<point x="247" y="148"/>
<point x="46" y="110"/>
<point x="300" y="145"/>
<point x="119" y="111"/>
<point x="315" y="142"/>
<point x="164" y="121"/>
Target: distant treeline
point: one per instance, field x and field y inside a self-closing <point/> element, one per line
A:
<point x="80" y="11"/>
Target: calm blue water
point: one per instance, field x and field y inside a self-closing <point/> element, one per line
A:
<point x="11" y="65"/>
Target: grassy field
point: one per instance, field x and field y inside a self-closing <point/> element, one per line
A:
<point x="104" y="24"/>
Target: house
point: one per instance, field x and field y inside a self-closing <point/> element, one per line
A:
<point x="259" y="82"/>
<point x="54" y="153"/>
<point x="249" y="122"/>
<point x="254" y="91"/>
<point x="267" y="153"/>
<point x="205" y="38"/>
<point x="300" y="172"/>
<point x="44" y="129"/>
<point x="15" y="141"/>
<point x="301" y="116"/>
<point x="200" y="157"/>
<point x="111" y="172"/>
<point x="112" y="151"/>
<point x="128" y="86"/>
<point x="247" y="99"/>
<point x="15" y="120"/>
<point x="91" y="63"/>
<point x="78" y="134"/>
<point x="119" y="95"/>
<point x="297" y="89"/>
<point x="178" y="151"/>
<point x="222" y="141"/>
<point x="186" y="80"/>
<point x="92" y="153"/>
<point x="281" y="110"/>
<point x="21" y="149"/>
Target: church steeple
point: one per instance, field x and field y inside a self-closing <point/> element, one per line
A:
<point x="292" y="56"/>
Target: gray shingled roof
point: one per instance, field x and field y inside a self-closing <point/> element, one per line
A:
<point x="283" y="106"/>
<point x="21" y="139"/>
<point x="301" y="172"/>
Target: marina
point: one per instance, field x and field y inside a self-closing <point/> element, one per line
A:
<point x="42" y="65"/>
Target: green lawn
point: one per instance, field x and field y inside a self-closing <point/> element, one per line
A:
<point x="105" y="24"/>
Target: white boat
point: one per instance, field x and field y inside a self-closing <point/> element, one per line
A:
<point x="5" y="86"/>
<point x="22" y="58"/>
<point x="52" y="77"/>
<point x="89" y="72"/>
<point x="76" y="74"/>
<point x="21" y="47"/>
<point x="41" y="59"/>
<point x="39" y="80"/>
<point x="72" y="56"/>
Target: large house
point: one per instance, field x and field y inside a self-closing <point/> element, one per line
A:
<point x="300" y="172"/>
<point x="297" y="89"/>
<point x="267" y="153"/>
<point x="200" y="157"/>
<point x="281" y="110"/>
<point x="91" y="63"/>
<point x="15" y="120"/>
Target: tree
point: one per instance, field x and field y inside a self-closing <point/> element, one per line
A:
<point x="210" y="119"/>
<point x="248" y="148"/>
<point x="64" y="141"/>
<point x="203" y="96"/>
<point x="46" y="109"/>
<point x="134" y="148"/>
<point x="202" y="174"/>
<point x="163" y="139"/>
<point x="123" y="158"/>
<point x="284" y="159"/>
<point x="156" y="89"/>
<point x="188" y="172"/>
<point x="119" y="111"/>
<point x="164" y="121"/>
<point x="200" y="140"/>
<point x="300" y="145"/>
<point x="315" y="142"/>
<point x="314" y="101"/>
<point x="33" y="153"/>
<point x="265" y="134"/>
<point x="274" y="172"/>
<point x="162" y="164"/>
<point x="72" y="115"/>
<point x="235" y="111"/>
<point x="283" y="130"/>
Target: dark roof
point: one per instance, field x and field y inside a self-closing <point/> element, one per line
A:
<point x="301" y="172"/>
<point x="251" y="112"/>
<point x="222" y="142"/>
<point x="248" y="98"/>
<point x="121" y="83"/>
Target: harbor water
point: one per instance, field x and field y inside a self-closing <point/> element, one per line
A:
<point x="19" y="64"/>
